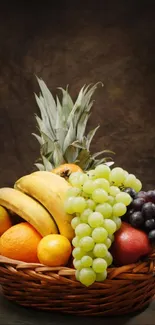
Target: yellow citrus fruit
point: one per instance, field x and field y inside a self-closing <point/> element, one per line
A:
<point x="5" y="220"/>
<point x="20" y="242"/>
<point x="54" y="250"/>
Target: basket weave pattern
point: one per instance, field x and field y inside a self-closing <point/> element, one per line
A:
<point x="127" y="289"/>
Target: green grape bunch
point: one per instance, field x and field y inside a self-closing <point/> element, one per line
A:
<point x="97" y="202"/>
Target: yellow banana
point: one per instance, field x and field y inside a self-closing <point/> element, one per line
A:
<point x="50" y="192"/>
<point x="60" y="185"/>
<point x="29" y="209"/>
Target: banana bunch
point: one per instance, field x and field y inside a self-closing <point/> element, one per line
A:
<point x="39" y="199"/>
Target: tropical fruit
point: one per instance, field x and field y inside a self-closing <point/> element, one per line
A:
<point x="54" y="250"/>
<point x="20" y="242"/>
<point x="65" y="170"/>
<point x="50" y="190"/>
<point x="29" y="209"/>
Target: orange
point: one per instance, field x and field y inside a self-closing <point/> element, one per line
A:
<point x="5" y="220"/>
<point x="54" y="250"/>
<point x="20" y="242"/>
<point x="65" y="170"/>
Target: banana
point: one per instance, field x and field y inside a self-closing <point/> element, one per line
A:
<point x="50" y="191"/>
<point x="30" y="210"/>
<point x="60" y="185"/>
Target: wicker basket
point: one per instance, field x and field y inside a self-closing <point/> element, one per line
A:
<point x="127" y="289"/>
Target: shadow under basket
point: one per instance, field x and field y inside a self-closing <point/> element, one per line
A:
<point x="127" y="289"/>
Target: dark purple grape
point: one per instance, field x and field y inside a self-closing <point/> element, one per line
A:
<point x="148" y="210"/>
<point x="142" y="195"/>
<point x="136" y="219"/>
<point x="131" y="192"/>
<point x="129" y="212"/>
<point x="137" y="204"/>
<point x="150" y="224"/>
<point x="151" y="235"/>
<point x="126" y="216"/>
<point x="151" y="196"/>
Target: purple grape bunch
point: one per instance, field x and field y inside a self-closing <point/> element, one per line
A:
<point x="141" y="211"/>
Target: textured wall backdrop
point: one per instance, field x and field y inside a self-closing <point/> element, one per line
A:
<point x="77" y="44"/>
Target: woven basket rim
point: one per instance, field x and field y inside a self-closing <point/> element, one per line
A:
<point x="126" y="289"/>
<point x="142" y="269"/>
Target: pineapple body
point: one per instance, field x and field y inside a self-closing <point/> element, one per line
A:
<point x="65" y="170"/>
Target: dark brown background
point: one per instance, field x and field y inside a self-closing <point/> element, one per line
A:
<point x="76" y="43"/>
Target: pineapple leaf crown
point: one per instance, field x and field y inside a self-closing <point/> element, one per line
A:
<point x="62" y="127"/>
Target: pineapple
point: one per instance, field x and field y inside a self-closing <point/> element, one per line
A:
<point x="62" y="128"/>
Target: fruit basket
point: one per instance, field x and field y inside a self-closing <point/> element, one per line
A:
<point x="127" y="289"/>
<point x="77" y="236"/>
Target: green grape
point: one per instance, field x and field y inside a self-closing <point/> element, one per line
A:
<point x="126" y="173"/>
<point x="78" y="253"/>
<point x="108" y="242"/>
<point x="73" y="191"/>
<point x="119" y="209"/>
<point x="79" y="204"/>
<point x="75" y="222"/>
<point x="102" y="171"/>
<point x="83" y="178"/>
<point x="108" y="258"/>
<point x="95" y="219"/>
<point x="69" y="205"/>
<point x="82" y="230"/>
<point x="86" y="261"/>
<point x="99" y="235"/>
<point x="91" y="254"/>
<point x="75" y="241"/>
<point x="110" y="226"/>
<point x="102" y="183"/>
<point x="111" y="237"/>
<point x="91" y="174"/>
<point x="75" y="174"/>
<point x="117" y="176"/>
<point x="87" y="276"/>
<point x="74" y="179"/>
<point x="99" y="265"/>
<point x="137" y="185"/>
<point x="123" y="197"/>
<point x="118" y="222"/>
<point x="100" y="277"/>
<point x="91" y="204"/>
<point x="105" y="209"/>
<point x="86" y="243"/>
<point x="99" y="195"/>
<point x="111" y="200"/>
<point x="85" y="195"/>
<point x="89" y="186"/>
<point x="114" y="190"/>
<point x="85" y="214"/>
<point x="77" y="264"/>
<point x="130" y="181"/>
<point x="77" y="273"/>
<point x="100" y="250"/>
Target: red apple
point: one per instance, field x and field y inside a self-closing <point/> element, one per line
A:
<point x="130" y="245"/>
